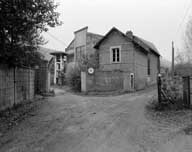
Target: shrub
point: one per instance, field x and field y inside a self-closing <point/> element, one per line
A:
<point x="154" y="105"/>
<point x="73" y="76"/>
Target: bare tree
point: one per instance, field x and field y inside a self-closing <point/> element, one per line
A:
<point x="187" y="54"/>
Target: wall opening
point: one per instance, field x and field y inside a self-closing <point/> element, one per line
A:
<point x="132" y="80"/>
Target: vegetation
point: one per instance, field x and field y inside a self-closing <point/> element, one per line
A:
<point x="74" y="72"/>
<point x="88" y="60"/>
<point x="176" y="105"/>
<point x="73" y="76"/>
<point x="21" y="25"/>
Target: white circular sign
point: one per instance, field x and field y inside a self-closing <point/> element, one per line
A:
<point x="90" y="70"/>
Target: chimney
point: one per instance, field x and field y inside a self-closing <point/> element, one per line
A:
<point x="129" y="34"/>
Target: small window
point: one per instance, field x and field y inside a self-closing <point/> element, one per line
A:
<point x="115" y="54"/>
<point x="148" y="66"/>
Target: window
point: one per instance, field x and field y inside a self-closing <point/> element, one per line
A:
<point x="148" y="66"/>
<point x="80" y="51"/>
<point x="115" y="54"/>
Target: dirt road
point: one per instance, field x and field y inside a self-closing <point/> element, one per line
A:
<point x="72" y="123"/>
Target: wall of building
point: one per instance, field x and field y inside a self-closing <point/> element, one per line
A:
<point x="104" y="81"/>
<point x="140" y="68"/>
<point x="126" y="63"/>
<point x="90" y="43"/>
<point x="154" y="63"/>
<point x="16" y="86"/>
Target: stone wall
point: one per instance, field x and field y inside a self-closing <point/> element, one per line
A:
<point x="16" y="86"/>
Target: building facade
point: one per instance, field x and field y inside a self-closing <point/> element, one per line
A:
<point x="82" y="45"/>
<point x="59" y="67"/>
<point x="136" y="59"/>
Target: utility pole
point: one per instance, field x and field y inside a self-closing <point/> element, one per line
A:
<point x="173" y="58"/>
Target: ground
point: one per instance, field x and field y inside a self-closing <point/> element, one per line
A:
<point x="77" y="123"/>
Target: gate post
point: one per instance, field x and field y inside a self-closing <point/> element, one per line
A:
<point x="83" y="81"/>
<point x="159" y="87"/>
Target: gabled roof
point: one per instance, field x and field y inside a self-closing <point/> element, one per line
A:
<point x="98" y="36"/>
<point x="146" y="45"/>
<point x="70" y="46"/>
<point x="46" y="54"/>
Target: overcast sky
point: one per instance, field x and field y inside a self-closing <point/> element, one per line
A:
<point x="158" y="21"/>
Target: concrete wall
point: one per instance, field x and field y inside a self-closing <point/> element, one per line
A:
<point x="105" y="81"/>
<point x="16" y="86"/>
<point x="126" y="63"/>
<point x="42" y="78"/>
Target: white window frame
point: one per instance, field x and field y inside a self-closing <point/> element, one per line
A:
<point x="111" y="54"/>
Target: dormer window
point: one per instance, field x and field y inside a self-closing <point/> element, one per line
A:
<point x="115" y="54"/>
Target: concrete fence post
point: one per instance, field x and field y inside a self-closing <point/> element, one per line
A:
<point x="83" y="82"/>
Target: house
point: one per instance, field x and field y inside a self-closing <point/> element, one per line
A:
<point x="124" y="60"/>
<point x="59" y="67"/>
<point x="52" y="62"/>
<point x="42" y="73"/>
<point x="82" y="44"/>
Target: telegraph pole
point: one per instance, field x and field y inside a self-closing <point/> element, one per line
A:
<point x="173" y="58"/>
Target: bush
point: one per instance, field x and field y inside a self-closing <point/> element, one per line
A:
<point x="154" y="105"/>
<point x="73" y="76"/>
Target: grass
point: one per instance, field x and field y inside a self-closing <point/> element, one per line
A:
<point x="171" y="115"/>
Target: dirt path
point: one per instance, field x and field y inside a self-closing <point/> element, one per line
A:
<point x="71" y="123"/>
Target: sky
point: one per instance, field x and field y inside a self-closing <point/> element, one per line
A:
<point x="158" y="21"/>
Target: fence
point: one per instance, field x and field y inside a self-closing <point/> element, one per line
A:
<point x="16" y="86"/>
<point x="174" y="89"/>
<point x="42" y="78"/>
